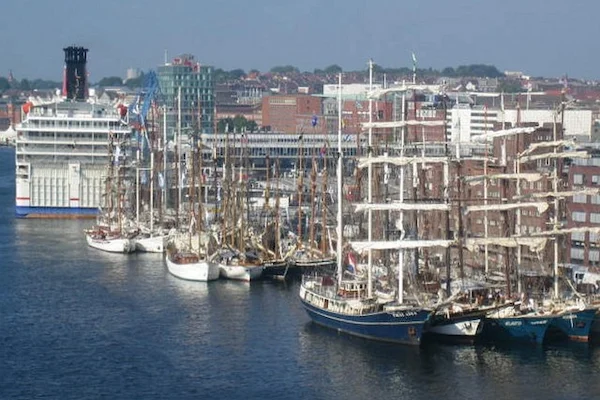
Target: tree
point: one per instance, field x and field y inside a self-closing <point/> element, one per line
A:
<point x="239" y="123"/>
<point x="252" y="126"/>
<point x="135" y="82"/>
<point x="225" y="125"/>
<point x="286" y="69"/>
<point x="237" y="74"/>
<point x="24" y="84"/>
<point x="4" y="84"/>
<point x="510" y="86"/>
<point x="110" y="81"/>
<point x="333" y="69"/>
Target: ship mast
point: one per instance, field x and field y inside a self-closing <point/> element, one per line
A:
<point x="340" y="185"/>
<point x="370" y="188"/>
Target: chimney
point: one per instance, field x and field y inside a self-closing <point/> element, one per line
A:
<point x="75" y="79"/>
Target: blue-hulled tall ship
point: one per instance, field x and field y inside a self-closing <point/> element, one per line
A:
<point x="347" y="302"/>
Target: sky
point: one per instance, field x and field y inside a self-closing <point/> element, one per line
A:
<point x="548" y="38"/>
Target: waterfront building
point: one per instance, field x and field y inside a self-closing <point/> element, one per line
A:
<point x="196" y="83"/>
<point x="584" y="210"/>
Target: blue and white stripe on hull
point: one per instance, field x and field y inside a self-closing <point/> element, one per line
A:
<point x="402" y="326"/>
<point x="55" y="212"/>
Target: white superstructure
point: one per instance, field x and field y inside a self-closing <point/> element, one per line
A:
<point x="62" y="155"/>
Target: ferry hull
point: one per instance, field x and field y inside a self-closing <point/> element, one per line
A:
<point x="525" y="329"/>
<point x="56" y="212"/>
<point x="395" y="327"/>
<point x="576" y="325"/>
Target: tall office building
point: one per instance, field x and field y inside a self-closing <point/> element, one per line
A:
<point x="197" y="93"/>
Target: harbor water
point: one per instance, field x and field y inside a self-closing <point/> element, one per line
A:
<point x="76" y="323"/>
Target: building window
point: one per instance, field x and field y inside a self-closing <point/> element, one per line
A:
<point x="578" y="216"/>
<point x="595" y="218"/>
<point x="595" y="199"/>
<point x="578" y="179"/>
<point x="580" y="198"/>
<point x="576" y="254"/>
<point x="578" y="236"/>
<point x="595" y="179"/>
<point x="594" y="255"/>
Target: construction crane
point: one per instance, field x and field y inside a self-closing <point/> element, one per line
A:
<point x="138" y="110"/>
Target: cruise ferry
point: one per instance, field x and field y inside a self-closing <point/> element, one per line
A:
<point x="62" y="148"/>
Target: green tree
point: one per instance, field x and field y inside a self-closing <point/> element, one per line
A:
<point x="4" y="84"/>
<point x="237" y="74"/>
<point x="333" y="69"/>
<point x="510" y="86"/>
<point x="252" y="126"/>
<point x="286" y="69"/>
<point x="110" y="81"/>
<point x="43" y="84"/>
<point x="135" y="82"/>
<point x="225" y="125"/>
<point x="239" y="123"/>
<point x="25" y="84"/>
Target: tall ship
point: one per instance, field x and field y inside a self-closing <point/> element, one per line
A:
<point x="62" y="148"/>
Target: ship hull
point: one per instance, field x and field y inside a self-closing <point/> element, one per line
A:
<point x="463" y="329"/>
<point x="240" y="272"/>
<point x="403" y="326"/>
<point x="524" y="329"/>
<point x="576" y="325"/>
<point x="154" y="244"/>
<point x="56" y="212"/>
<point x="202" y="271"/>
<point x="116" y="245"/>
<point x="278" y="269"/>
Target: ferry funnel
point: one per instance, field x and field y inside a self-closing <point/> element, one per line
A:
<point x="75" y="79"/>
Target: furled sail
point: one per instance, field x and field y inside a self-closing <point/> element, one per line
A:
<point x="363" y="246"/>
<point x="535" y="244"/>
<point x="540" y="205"/>
<point x="398" y="206"/>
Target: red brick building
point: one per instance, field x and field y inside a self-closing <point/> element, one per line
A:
<point x="292" y="113"/>
<point x="10" y="114"/>
<point x="584" y="210"/>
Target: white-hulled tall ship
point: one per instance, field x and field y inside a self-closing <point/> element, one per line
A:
<point x="61" y="148"/>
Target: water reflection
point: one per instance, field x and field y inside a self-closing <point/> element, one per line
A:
<point x="371" y="369"/>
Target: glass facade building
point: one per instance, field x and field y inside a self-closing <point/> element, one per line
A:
<point x="197" y="94"/>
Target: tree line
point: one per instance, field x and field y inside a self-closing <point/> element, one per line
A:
<point x="221" y="75"/>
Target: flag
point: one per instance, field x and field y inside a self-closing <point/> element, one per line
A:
<point x="347" y="138"/>
<point x="161" y="180"/>
<point x="314" y="120"/>
<point x="323" y="151"/>
<point x="414" y="59"/>
<point x="351" y="267"/>
<point x="144" y="177"/>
